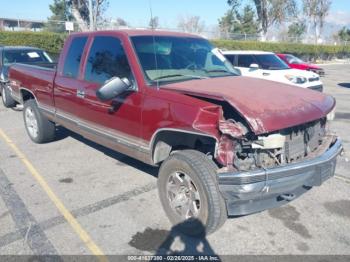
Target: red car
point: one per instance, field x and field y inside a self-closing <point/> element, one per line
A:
<point x="297" y="63"/>
<point x="226" y="145"/>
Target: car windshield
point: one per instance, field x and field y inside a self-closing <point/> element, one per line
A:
<point x="26" y="56"/>
<point x="171" y="59"/>
<point x="271" y="62"/>
<point x="294" y="60"/>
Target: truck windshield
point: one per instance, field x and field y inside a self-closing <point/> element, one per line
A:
<point x="172" y="59"/>
<point x="271" y="62"/>
<point x="26" y="56"/>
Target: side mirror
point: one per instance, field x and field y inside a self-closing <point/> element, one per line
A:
<point x="254" y="66"/>
<point x="112" y="88"/>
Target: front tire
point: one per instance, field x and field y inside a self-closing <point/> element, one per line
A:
<point x="189" y="193"/>
<point x="38" y="127"/>
<point x="6" y="98"/>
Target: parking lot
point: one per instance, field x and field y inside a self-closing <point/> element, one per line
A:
<point x="75" y="197"/>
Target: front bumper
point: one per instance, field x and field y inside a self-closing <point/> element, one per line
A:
<point x="254" y="191"/>
<point x="320" y="71"/>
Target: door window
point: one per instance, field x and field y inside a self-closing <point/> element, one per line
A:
<point x="106" y="59"/>
<point x="72" y="60"/>
<point x="245" y="60"/>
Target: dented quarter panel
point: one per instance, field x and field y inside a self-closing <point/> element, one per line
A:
<point x="267" y="106"/>
<point x="166" y="109"/>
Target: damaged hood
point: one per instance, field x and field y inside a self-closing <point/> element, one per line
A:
<point x="267" y="106"/>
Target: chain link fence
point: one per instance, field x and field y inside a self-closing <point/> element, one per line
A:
<point x="8" y="24"/>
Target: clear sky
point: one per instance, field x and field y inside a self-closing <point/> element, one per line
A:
<point x="137" y="12"/>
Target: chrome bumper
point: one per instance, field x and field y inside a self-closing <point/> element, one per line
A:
<point x="254" y="191"/>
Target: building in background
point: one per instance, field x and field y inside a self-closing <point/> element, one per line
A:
<point x="10" y="24"/>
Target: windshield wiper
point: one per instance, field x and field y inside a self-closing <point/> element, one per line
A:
<point x="176" y="75"/>
<point x="219" y="71"/>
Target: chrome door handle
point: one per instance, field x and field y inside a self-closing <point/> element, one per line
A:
<point x="81" y="93"/>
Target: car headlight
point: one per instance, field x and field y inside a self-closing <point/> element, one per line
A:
<point x="296" y="79"/>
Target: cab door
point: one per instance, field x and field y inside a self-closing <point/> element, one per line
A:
<point x="115" y="123"/>
<point x="68" y="82"/>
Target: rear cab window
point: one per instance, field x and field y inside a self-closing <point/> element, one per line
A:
<point x="106" y="59"/>
<point x="25" y="56"/>
<point x="73" y="57"/>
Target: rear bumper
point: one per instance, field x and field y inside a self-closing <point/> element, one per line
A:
<point x="250" y="192"/>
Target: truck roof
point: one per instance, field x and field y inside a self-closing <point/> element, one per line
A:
<point x="141" y="32"/>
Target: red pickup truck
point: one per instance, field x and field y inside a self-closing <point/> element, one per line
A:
<point x="226" y="145"/>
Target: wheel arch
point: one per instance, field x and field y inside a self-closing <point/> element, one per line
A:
<point x="167" y="140"/>
<point x="27" y="94"/>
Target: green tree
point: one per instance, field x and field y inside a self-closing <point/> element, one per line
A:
<point x="227" y="23"/>
<point x="267" y="13"/>
<point x="344" y="34"/>
<point x="236" y="21"/>
<point x="60" y="13"/>
<point x="247" y="22"/>
<point x="296" y="30"/>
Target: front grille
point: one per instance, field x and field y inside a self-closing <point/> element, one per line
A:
<point x="301" y="142"/>
<point x="314" y="79"/>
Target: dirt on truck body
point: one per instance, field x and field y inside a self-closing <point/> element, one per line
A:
<point x="226" y="145"/>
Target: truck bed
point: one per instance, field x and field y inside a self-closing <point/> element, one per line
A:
<point x="37" y="79"/>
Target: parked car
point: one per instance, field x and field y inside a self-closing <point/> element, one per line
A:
<point x="226" y="145"/>
<point x="18" y="54"/>
<point x="297" y="63"/>
<point x="269" y="66"/>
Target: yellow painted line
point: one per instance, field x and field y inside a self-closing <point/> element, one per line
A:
<point x="347" y="180"/>
<point x="84" y="236"/>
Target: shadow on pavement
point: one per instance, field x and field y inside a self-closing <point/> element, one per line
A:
<point x="174" y="242"/>
<point x="193" y="246"/>
<point x="346" y="85"/>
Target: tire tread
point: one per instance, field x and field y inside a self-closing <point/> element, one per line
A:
<point x="206" y="170"/>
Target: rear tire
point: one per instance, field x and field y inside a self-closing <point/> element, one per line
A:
<point x="38" y="127"/>
<point x="6" y="98"/>
<point x="189" y="193"/>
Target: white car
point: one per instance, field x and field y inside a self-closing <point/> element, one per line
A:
<point x="269" y="66"/>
